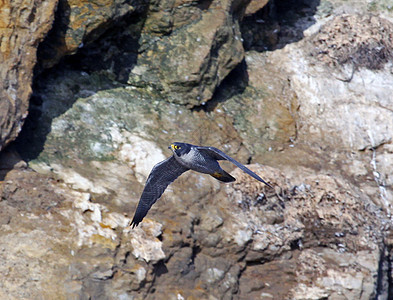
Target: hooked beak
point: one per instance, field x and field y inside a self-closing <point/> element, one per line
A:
<point x="172" y="147"/>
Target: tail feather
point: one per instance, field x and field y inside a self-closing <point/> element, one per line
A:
<point x="223" y="176"/>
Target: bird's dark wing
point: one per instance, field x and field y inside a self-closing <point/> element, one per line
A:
<point x="219" y="155"/>
<point x="162" y="174"/>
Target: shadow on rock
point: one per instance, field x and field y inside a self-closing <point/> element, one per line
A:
<point x="277" y="24"/>
<point x="234" y="84"/>
<point x="100" y="65"/>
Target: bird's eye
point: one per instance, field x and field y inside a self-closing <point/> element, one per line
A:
<point x="175" y="147"/>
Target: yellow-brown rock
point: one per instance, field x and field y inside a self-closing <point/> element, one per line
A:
<point x="79" y="22"/>
<point x="23" y="25"/>
<point x="254" y="6"/>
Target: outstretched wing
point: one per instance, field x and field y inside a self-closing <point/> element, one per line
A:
<point x="162" y="174"/>
<point x="219" y="155"/>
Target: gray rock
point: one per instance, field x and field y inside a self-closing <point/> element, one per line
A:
<point x="194" y="55"/>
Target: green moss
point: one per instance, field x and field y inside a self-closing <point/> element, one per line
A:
<point x="325" y="8"/>
<point x="372" y="6"/>
<point x="380" y="5"/>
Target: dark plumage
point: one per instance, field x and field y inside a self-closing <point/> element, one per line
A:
<point x="185" y="157"/>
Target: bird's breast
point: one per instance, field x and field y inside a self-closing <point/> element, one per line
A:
<point x="194" y="160"/>
<point x="188" y="159"/>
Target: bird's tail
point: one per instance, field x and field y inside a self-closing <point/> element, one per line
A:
<point x="223" y="176"/>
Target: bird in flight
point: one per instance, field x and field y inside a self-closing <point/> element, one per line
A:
<point x="185" y="157"/>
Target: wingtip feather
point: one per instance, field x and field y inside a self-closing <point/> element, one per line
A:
<point x="134" y="224"/>
<point x="268" y="184"/>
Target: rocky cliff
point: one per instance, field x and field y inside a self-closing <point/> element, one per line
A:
<point x="299" y="90"/>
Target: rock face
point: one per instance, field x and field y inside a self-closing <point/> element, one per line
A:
<point x="359" y="60"/>
<point x="242" y="241"/>
<point x="78" y="23"/>
<point x="344" y="104"/>
<point x="304" y="225"/>
<point x="310" y="115"/>
<point x="23" y="25"/>
<point x="185" y="49"/>
<point x="189" y="49"/>
<point x="360" y="41"/>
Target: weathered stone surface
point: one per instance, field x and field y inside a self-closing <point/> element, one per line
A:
<point x="78" y="23"/>
<point x="66" y="243"/>
<point x="337" y="106"/>
<point x="145" y="243"/>
<point x="23" y="25"/>
<point x="123" y="143"/>
<point x="211" y="235"/>
<point x="362" y="118"/>
<point x="321" y="229"/>
<point x="361" y="41"/>
<point x="325" y="231"/>
<point x="299" y="223"/>
<point x="264" y="121"/>
<point x="194" y="56"/>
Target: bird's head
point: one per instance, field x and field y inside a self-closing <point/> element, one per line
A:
<point x="180" y="148"/>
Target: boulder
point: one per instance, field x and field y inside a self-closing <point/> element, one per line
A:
<point x="187" y="50"/>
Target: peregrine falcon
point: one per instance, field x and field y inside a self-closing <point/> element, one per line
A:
<point x="185" y="157"/>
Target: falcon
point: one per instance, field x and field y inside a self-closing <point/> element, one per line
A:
<point x="185" y="157"/>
